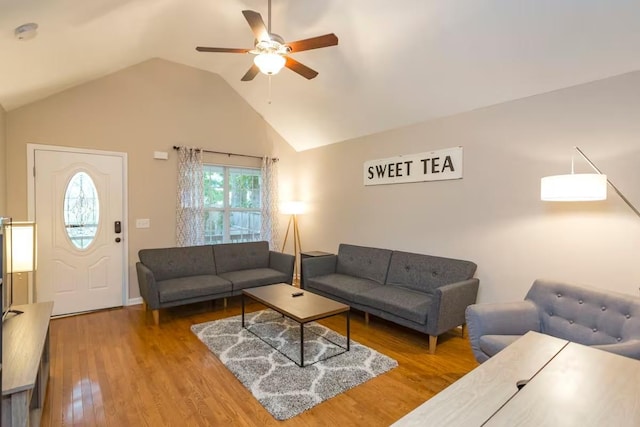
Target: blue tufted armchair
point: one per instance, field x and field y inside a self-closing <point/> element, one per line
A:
<point x="601" y="319"/>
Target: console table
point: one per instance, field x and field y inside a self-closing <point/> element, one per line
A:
<point x="25" y="364"/>
<point x="561" y="384"/>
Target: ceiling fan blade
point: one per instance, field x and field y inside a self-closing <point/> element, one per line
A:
<point x="299" y="68"/>
<point x="257" y="25"/>
<point x="221" y="49"/>
<point x="249" y="75"/>
<point x="314" y="43"/>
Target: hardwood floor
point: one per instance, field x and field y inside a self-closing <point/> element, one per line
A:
<point x="116" y="368"/>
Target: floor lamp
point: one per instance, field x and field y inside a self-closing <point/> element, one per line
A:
<point x="579" y="187"/>
<point x="293" y="209"/>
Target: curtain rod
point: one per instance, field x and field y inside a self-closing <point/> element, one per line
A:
<point x="275" y="159"/>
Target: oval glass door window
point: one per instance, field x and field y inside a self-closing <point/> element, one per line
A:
<point x="81" y="210"/>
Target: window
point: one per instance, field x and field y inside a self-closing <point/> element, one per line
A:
<point x="81" y="210"/>
<point x="231" y="204"/>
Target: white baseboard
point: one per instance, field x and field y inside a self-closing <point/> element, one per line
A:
<point x="134" y="301"/>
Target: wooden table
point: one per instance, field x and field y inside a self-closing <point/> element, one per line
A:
<point x="302" y="309"/>
<point x="25" y="364"/>
<point x="568" y="385"/>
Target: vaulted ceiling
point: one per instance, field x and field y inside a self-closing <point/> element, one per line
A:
<point x="397" y="62"/>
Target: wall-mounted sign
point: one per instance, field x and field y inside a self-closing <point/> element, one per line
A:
<point x="432" y="166"/>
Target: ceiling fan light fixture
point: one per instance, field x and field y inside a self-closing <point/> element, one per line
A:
<point x="271" y="50"/>
<point x="269" y="63"/>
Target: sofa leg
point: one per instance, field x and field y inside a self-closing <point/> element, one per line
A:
<point x="225" y="302"/>
<point x="463" y="329"/>
<point x="156" y="316"/>
<point x="366" y="318"/>
<point x="433" y="340"/>
<point x="145" y="307"/>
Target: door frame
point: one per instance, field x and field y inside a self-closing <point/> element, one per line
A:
<point x="31" y="202"/>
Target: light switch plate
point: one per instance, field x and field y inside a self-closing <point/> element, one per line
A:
<point x="143" y="223"/>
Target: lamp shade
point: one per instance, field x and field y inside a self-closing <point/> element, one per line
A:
<point x="21" y="241"/>
<point x="579" y="187"/>
<point x="269" y="63"/>
<point x="292" y="208"/>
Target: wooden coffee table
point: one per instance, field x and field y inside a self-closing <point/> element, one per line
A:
<point x="301" y="309"/>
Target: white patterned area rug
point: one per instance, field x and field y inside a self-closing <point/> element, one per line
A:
<point x="280" y="385"/>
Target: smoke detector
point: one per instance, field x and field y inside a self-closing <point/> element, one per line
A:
<point x="26" y="31"/>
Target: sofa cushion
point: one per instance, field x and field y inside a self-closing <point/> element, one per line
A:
<point x="367" y="263"/>
<point x="241" y="256"/>
<point x="343" y="286"/>
<point x="191" y="287"/>
<point x="425" y="273"/>
<point x="405" y="303"/>
<point x="492" y="344"/>
<point x="254" y="277"/>
<point x="171" y="263"/>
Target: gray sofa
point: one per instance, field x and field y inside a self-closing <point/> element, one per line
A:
<point x="422" y="292"/>
<point x="175" y="276"/>
<point x="601" y="319"/>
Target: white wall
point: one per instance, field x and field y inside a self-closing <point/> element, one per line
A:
<point x="148" y="107"/>
<point x="3" y="162"/>
<point x="494" y="216"/>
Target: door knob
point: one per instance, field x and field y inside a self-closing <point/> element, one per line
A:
<point x="118" y="240"/>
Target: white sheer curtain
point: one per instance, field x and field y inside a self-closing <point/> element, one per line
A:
<point x="190" y="200"/>
<point x="269" y="230"/>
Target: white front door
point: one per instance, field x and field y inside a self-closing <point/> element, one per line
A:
<point x="79" y="213"/>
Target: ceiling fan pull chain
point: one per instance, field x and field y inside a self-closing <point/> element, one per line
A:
<point x="269" y="97"/>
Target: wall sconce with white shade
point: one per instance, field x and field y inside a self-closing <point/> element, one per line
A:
<point x="579" y="187"/>
<point x="293" y="208"/>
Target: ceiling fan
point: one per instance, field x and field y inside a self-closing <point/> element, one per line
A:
<point x="272" y="53"/>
